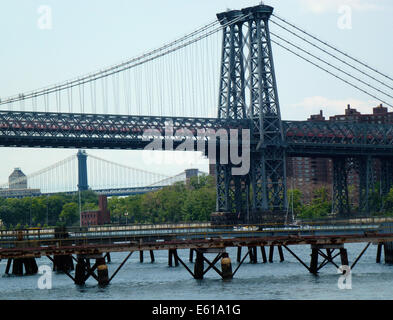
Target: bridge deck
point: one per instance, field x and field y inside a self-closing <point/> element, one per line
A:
<point x="68" y="130"/>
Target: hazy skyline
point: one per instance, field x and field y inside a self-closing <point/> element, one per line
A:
<point x="87" y="36"/>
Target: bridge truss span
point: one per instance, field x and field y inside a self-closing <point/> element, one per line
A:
<point x="337" y="138"/>
<point x="77" y="130"/>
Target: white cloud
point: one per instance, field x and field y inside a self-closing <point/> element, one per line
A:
<point x="323" y="6"/>
<point x="330" y="107"/>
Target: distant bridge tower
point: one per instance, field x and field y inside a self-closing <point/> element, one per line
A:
<point x="82" y="171"/>
<point x="248" y="90"/>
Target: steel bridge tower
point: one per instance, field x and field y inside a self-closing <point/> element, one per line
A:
<point x="248" y="90"/>
<point x="82" y="171"/>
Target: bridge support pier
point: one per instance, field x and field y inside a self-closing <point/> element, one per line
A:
<point x="365" y="170"/>
<point x="271" y="253"/>
<point x="191" y="256"/>
<point x="281" y="253"/>
<point x="386" y="176"/>
<point x="63" y="263"/>
<point x="17" y="267"/>
<point x="314" y="261"/>
<point x="253" y="255"/>
<point x="344" y="257"/>
<point x="340" y="187"/>
<point x="7" y="269"/>
<point x="316" y="251"/>
<point x="239" y="254"/>
<point x="80" y="272"/>
<point x="141" y="256"/>
<point x="83" y="270"/>
<point x="379" y="253"/>
<point x="172" y="256"/>
<point x="102" y="272"/>
<point x="199" y="265"/>
<point x="30" y="266"/>
<point x="388" y="251"/>
<point x="263" y="252"/>
<point x="152" y="256"/>
<point x="226" y="267"/>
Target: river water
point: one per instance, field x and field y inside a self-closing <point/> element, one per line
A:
<point x="270" y="281"/>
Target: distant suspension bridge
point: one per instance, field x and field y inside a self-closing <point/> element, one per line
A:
<point x="84" y="171"/>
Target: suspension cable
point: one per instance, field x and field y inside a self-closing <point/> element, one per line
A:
<point x="127" y="167"/>
<point x="334" y="48"/>
<point x="329" y="64"/>
<point x="332" y="55"/>
<point x="154" y="54"/>
<point x="331" y="73"/>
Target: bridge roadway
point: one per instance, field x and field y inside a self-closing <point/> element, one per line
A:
<point x="93" y="240"/>
<point x="115" y="191"/>
<point x="69" y="130"/>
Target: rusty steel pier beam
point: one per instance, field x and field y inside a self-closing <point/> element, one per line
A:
<point x="314" y="261"/>
<point x="344" y="257"/>
<point x="263" y="252"/>
<point x="63" y="263"/>
<point x="80" y="271"/>
<point x="379" y="252"/>
<point x="30" y="266"/>
<point x="388" y="251"/>
<point x="199" y="265"/>
<point x="253" y="255"/>
<point x="281" y="253"/>
<point x="173" y="257"/>
<point x="271" y="253"/>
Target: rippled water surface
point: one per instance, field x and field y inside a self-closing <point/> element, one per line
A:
<point x="286" y="280"/>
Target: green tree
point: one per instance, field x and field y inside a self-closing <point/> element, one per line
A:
<point x="295" y="203"/>
<point x="320" y="206"/>
<point x="69" y="214"/>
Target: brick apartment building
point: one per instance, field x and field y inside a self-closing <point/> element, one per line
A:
<point x="98" y="217"/>
<point x="309" y="174"/>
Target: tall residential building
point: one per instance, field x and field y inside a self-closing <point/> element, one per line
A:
<point x="309" y="174"/>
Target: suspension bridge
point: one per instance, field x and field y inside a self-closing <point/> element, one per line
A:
<point x="83" y="171"/>
<point x="166" y="98"/>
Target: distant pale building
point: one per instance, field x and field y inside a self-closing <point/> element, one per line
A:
<point x="17" y="179"/>
<point x="17" y="186"/>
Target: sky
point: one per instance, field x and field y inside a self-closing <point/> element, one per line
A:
<point x="88" y="35"/>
